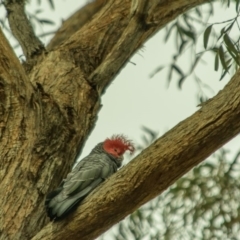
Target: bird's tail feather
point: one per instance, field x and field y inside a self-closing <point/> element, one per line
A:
<point x="58" y="209"/>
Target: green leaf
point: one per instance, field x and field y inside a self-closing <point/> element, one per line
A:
<point x="51" y="3"/>
<point x="199" y="13"/>
<point x="206" y="36"/>
<point x="189" y="34"/>
<point x="214" y="49"/>
<point x="216" y="62"/>
<point x="183" y="44"/>
<point x="180" y="81"/>
<point x="229" y="27"/>
<point x="225" y="30"/>
<point x="236" y="59"/>
<point x="177" y="69"/>
<point x="222" y="58"/>
<point x="38" y="11"/>
<point x="195" y="62"/>
<point x="169" y="32"/>
<point x="188" y="21"/>
<point x="237" y="5"/>
<point x="228" y="61"/>
<point x="170" y="73"/>
<point x="224" y="73"/>
<point x="46" y="21"/>
<point x="229" y="44"/>
<point x="157" y="70"/>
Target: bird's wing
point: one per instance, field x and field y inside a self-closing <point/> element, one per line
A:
<point x="88" y="173"/>
<point x="86" y="176"/>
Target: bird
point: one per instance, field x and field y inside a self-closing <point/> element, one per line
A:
<point x="103" y="161"/>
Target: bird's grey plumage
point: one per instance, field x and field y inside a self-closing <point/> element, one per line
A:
<point x="86" y="176"/>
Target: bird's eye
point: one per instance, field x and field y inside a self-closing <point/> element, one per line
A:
<point x="116" y="150"/>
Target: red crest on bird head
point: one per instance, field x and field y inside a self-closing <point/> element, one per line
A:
<point x="120" y="142"/>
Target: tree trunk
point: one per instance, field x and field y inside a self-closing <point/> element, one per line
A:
<point x="48" y="109"/>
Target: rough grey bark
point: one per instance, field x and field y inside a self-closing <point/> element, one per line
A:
<point x="75" y="22"/>
<point x="22" y="28"/>
<point x="48" y="112"/>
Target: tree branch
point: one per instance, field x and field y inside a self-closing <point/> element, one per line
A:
<point x="15" y="89"/>
<point x="155" y="169"/>
<point x="22" y="29"/>
<point x="75" y="22"/>
<point x="117" y="31"/>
